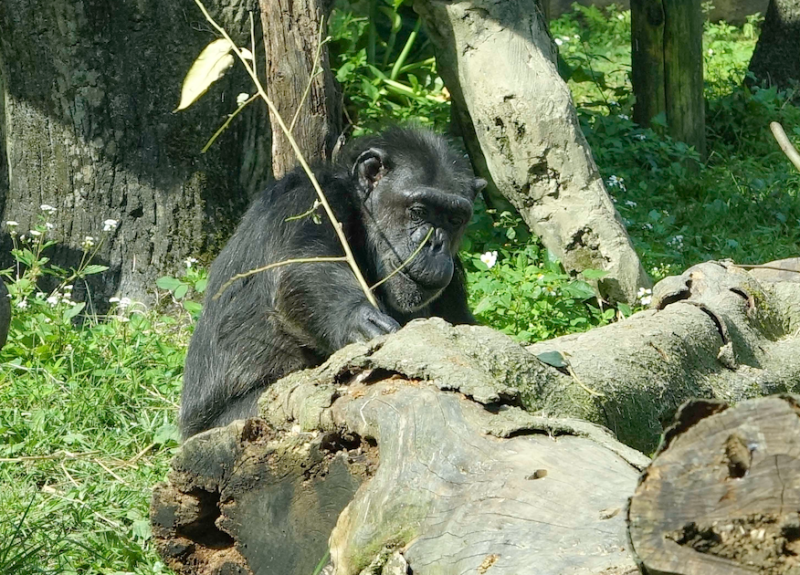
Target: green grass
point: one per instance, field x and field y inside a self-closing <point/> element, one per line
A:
<point x="87" y="413"/>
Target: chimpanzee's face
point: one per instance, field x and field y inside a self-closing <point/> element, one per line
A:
<point x="408" y="207"/>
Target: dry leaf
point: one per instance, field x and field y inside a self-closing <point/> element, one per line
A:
<point x="210" y="66"/>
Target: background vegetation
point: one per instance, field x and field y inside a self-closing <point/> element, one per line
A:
<point x="87" y="413"/>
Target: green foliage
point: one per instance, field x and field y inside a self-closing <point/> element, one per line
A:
<point x="188" y="289"/>
<point x="86" y="423"/>
<point x="741" y="203"/>
<point x="386" y="66"/>
<point x="516" y="286"/>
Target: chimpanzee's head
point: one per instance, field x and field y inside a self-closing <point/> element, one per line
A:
<point x="411" y="184"/>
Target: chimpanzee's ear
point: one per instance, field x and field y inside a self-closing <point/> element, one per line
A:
<point x="369" y="168"/>
<point x="477" y="185"/>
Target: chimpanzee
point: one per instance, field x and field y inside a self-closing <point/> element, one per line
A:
<point x="388" y="191"/>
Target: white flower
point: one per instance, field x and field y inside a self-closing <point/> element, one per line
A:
<point x="47" y="208"/>
<point x="647" y="226"/>
<point x="35" y="233"/>
<point x="110" y="225"/>
<point x="644" y="295"/>
<point x="122" y="303"/>
<point x="189" y="262"/>
<point x="559" y="41"/>
<point x="88" y="242"/>
<point x="40" y="295"/>
<point x="242" y="98"/>
<point x="68" y="287"/>
<point x="639" y="137"/>
<point x="489" y="258"/>
<point x="53" y="300"/>
<point x="113" y="300"/>
<point x="49" y="226"/>
<point x="620" y="16"/>
<point x="623" y="117"/>
<point x="630" y="203"/>
<point x="710" y="52"/>
<point x="22" y="238"/>
<point x="677" y="241"/>
<point x="11" y="224"/>
<point x="23" y="304"/>
<point x="615" y="182"/>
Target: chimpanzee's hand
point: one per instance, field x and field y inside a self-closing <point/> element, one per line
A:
<point x="368" y="323"/>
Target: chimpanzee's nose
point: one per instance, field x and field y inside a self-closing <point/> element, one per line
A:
<point x="439" y="240"/>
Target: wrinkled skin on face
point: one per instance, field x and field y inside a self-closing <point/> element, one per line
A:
<point x="408" y="201"/>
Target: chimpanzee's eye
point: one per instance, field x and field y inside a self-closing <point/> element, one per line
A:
<point x="456" y="221"/>
<point x="416" y="213"/>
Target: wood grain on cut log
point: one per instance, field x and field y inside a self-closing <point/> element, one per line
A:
<point x="723" y="495"/>
<point x="454" y="478"/>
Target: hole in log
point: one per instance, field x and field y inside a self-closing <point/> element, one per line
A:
<point x="203" y="530"/>
<point x="738" y="455"/>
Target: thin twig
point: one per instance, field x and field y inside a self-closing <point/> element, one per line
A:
<point x="114" y="475"/>
<point x="139" y="455"/>
<point x="785" y="144"/>
<point x="56" y="455"/>
<point x="71" y="479"/>
<point x="253" y="42"/>
<point x="337" y="227"/>
<point x="586" y="388"/>
<point x="762" y="267"/>
<point x="227" y="122"/>
<point x="249" y="273"/>
<point x="408" y="261"/>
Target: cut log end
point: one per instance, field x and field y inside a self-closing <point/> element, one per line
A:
<point x="723" y="495"/>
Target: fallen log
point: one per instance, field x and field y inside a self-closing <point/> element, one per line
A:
<point x="714" y="332"/>
<point x="445" y="449"/>
<point x="440" y="482"/>
<point x="722" y="497"/>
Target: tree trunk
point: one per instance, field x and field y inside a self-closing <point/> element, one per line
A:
<point x="776" y="59"/>
<point x="413" y="453"/>
<point x="87" y="91"/>
<point x="498" y="63"/>
<point x="293" y="31"/>
<point x="667" y="61"/>
<point x="723" y="493"/>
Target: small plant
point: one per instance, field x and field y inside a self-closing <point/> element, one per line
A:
<point x="191" y="285"/>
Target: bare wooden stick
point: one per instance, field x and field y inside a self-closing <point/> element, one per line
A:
<point x="248" y="273"/>
<point x="785" y="144"/>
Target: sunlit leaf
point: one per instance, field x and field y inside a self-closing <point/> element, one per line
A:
<point x="73" y="311"/>
<point x="210" y="66"/>
<point x="553" y="358"/>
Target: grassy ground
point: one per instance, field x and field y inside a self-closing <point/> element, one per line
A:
<point x="87" y="415"/>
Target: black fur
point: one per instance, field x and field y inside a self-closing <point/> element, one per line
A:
<point x="387" y="191"/>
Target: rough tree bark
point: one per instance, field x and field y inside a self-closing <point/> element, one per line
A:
<point x="443" y="450"/>
<point x="520" y="125"/>
<point x="293" y="30"/>
<point x="667" y="67"/>
<point x="87" y="91"/>
<point x="776" y="58"/>
<point x="723" y="494"/>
